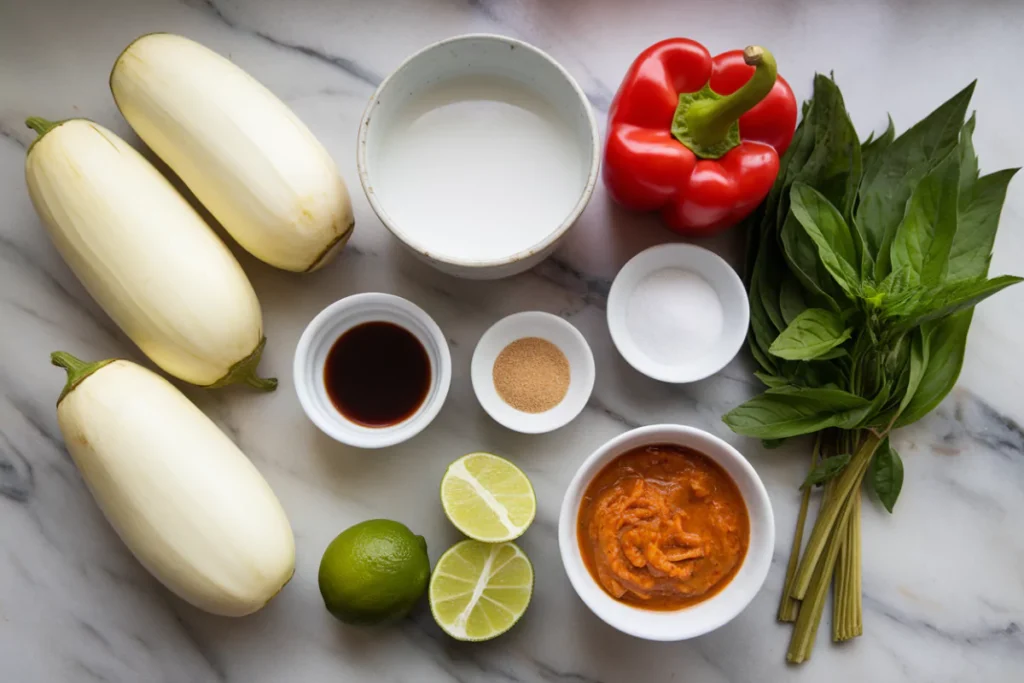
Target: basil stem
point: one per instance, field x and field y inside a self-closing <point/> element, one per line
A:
<point x="802" y="642"/>
<point x="824" y="526"/>
<point x="847" y="619"/>
<point x="788" y="605"/>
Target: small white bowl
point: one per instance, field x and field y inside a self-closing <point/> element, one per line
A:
<point x="555" y="330"/>
<point x="702" y="617"/>
<point x="325" y="329"/>
<point x="478" y="153"/>
<point x="717" y="273"/>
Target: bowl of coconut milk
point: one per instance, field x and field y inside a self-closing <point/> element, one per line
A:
<point x="478" y="153"/>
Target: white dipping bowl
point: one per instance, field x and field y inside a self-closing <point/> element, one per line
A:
<point x="710" y="267"/>
<point x="328" y="326"/>
<point x="703" y="617"/>
<point x="478" y="153"/>
<point x="545" y="326"/>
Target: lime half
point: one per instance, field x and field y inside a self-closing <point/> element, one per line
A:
<point x="479" y="590"/>
<point x="488" y="498"/>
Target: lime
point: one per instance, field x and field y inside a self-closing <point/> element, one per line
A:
<point x="479" y="590"/>
<point x="374" y="572"/>
<point x="488" y="498"/>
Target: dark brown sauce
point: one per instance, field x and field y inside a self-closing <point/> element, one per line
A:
<point x="377" y="374"/>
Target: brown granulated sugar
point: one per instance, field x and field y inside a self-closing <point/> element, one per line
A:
<point x="531" y="374"/>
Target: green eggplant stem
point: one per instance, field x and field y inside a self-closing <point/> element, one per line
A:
<point x="41" y="125"/>
<point x="77" y="369"/>
<point x="707" y="122"/>
<point x="244" y="372"/>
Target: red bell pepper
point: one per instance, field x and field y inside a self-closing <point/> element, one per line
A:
<point x="698" y="138"/>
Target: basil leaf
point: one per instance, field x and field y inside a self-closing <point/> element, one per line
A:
<point x="917" y="367"/>
<point x="889" y="180"/>
<point x="830" y="234"/>
<point x="827" y="469"/>
<point x="772" y="444"/>
<point x="817" y="374"/>
<point x="833" y="354"/>
<point x="886" y="474"/>
<point x="895" y="282"/>
<point x="833" y="162"/>
<point x="812" y="334"/>
<point x="770" y="275"/>
<point x="868" y="415"/>
<point x="802" y="259"/>
<point x="976" y="225"/>
<point x="872" y="149"/>
<point x="925" y="235"/>
<point x="792" y="411"/>
<point x="791" y="299"/>
<point x="870" y="153"/>
<point x="762" y="358"/>
<point x="762" y="331"/>
<point x="864" y="254"/>
<point x="770" y="381"/>
<point x="968" y="158"/>
<point x="947" y="341"/>
<point x="939" y="302"/>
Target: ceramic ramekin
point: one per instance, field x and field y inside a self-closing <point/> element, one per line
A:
<point x="494" y="60"/>
<point x="559" y="332"/>
<point x="320" y="335"/>
<point x="703" y="617"/>
<point x="717" y="273"/>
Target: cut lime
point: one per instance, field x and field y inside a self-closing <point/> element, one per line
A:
<point x="488" y="498"/>
<point x="479" y="590"/>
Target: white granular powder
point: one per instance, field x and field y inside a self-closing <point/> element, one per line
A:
<point x="674" y="316"/>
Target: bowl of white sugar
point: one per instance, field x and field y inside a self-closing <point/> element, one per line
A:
<point x="678" y="313"/>
<point x="479" y="152"/>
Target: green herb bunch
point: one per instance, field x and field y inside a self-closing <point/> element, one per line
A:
<point x="864" y="264"/>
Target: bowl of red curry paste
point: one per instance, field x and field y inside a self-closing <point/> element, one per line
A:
<point x="666" y="532"/>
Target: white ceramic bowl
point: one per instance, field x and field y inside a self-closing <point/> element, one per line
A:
<point x="713" y="270"/>
<point x="559" y="332"/>
<point x="478" y="153"/>
<point x="703" y="617"/>
<point x="325" y="329"/>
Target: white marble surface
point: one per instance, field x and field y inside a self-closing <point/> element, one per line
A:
<point x="943" y="577"/>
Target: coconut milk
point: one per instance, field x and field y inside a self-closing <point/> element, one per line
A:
<point x="479" y="169"/>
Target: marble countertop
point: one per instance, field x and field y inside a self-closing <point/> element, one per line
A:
<point x="943" y="577"/>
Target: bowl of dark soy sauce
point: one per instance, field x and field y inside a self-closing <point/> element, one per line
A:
<point x="372" y="370"/>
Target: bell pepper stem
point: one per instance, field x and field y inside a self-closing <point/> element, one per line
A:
<point x="712" y="118"/>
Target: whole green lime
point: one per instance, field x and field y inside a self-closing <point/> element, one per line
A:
<point x="374" y="572"/>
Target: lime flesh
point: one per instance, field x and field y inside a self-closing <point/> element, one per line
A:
<point x="480" y="590"/>
<point x="488" y="498"/>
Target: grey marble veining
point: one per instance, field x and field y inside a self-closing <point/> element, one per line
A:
<point x="943" y="577"/>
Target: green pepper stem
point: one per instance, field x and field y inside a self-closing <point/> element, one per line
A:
<point x="709" y="120"/>
<point x="40" y="125"/>
<point x="77" y="369"/>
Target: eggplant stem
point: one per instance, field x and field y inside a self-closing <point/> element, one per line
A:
<point x="78" y="370"/>
<point x="244" y="372"/>
<point x="41" y="125"/>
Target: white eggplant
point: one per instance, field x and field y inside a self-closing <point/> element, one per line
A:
<point x="180" y="494"/>
<point x="145" y="254"/>
<point x="243" y="153"/>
